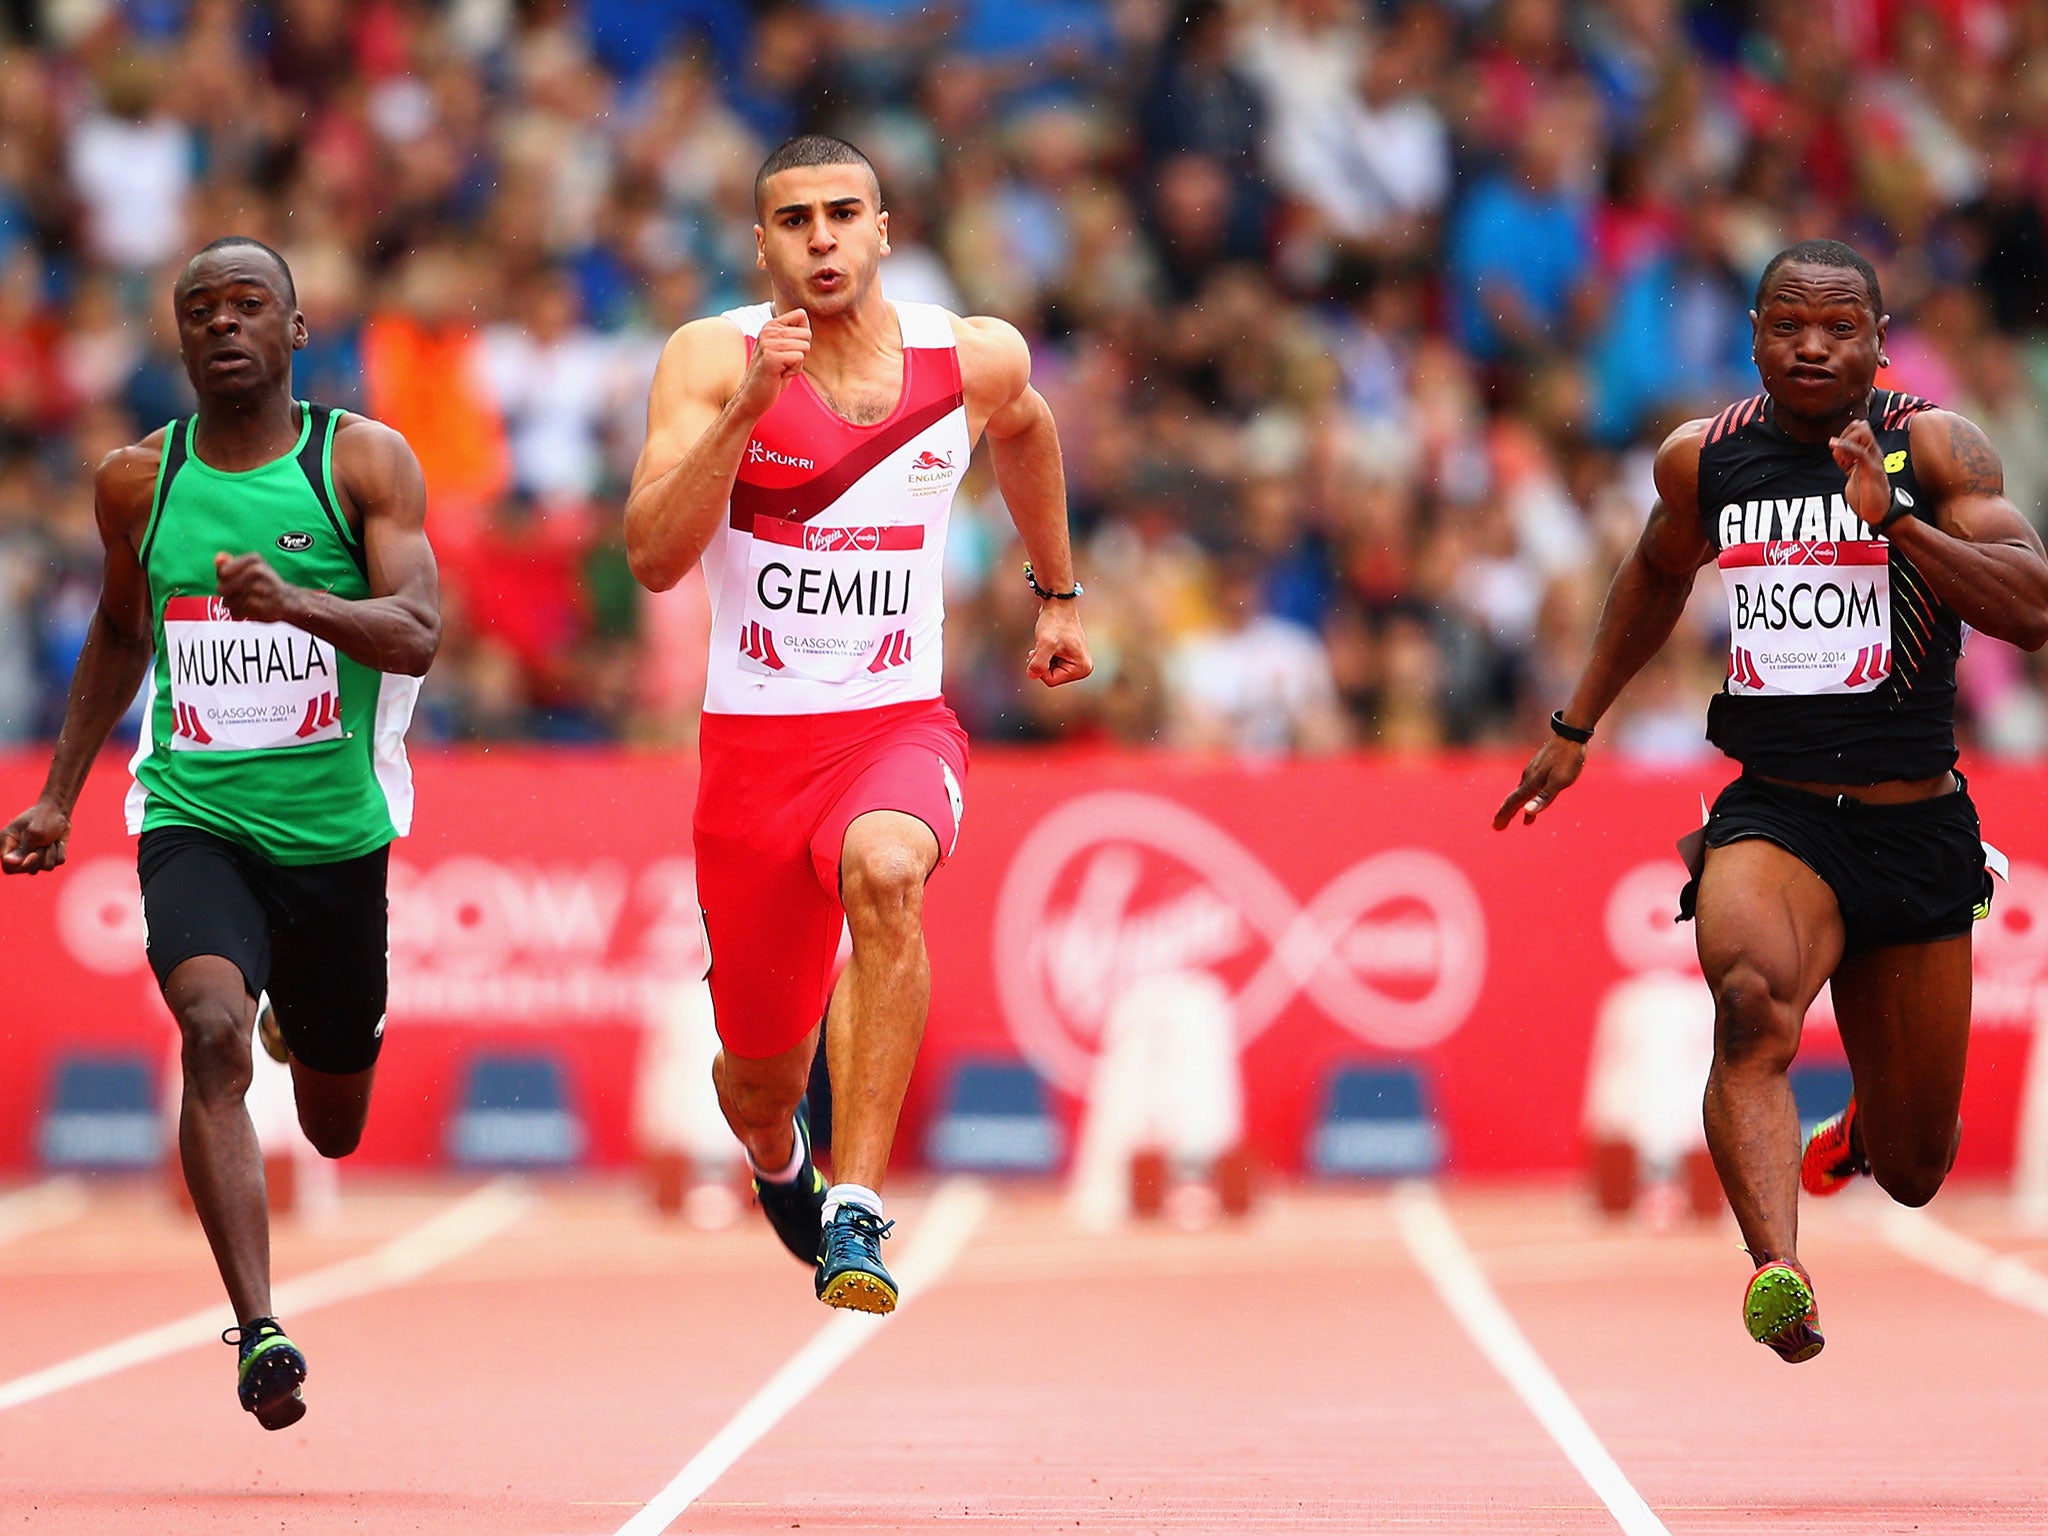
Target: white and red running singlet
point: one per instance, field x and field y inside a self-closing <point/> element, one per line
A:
<point x="825" y="576"/>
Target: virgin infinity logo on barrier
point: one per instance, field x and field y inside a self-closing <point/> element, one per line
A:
<point x="1113" y="887"/>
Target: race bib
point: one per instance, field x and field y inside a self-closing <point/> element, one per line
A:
<point x="1808" y="616"/>
<point x="240" y="686"/>
<point x="828" y="603"/>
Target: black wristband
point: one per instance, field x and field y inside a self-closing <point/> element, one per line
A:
<point x="1902" y="506"/>
<point x="1571" y="733"/>
<point x="1031" y="580"/>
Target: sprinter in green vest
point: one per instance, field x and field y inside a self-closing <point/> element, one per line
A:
<point x="272" y="556"/>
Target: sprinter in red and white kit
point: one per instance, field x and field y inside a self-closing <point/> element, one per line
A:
<point x="806" y="451"/>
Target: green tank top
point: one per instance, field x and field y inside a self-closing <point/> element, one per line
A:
<point x="261" y="733"/>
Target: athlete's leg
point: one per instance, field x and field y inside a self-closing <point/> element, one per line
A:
<point x="1769" y="934"/>
<point x="1904" y="1012"/>
<point x="877" y="1017"/>
<point x="759" y="1096"/>
<point x="223" y="1164"/>
<point x="333" y="1107"/>
<point x="772" y="927"/>
<point x="329" y="983"/>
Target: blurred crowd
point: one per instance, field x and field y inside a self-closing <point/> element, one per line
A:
<point x="1361" y="320"/>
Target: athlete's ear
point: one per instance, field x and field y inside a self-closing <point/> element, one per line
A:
<point x="882" y="219"/>
<point x="298" y="331"/>
<point x="760" y="249"/>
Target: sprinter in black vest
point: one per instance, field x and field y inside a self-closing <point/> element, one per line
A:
<point x="1857" y="532"/>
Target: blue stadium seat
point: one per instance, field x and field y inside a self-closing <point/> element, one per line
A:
<point x="102" y="1113"/>
<point x="515" y="1113"/>
<point x="1820" y="1090"/>
<point x="994" y="1119"/>
<point x="1377" y="1122"/>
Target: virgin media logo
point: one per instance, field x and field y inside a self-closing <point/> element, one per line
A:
<point x="1800" y="552"/>
<point x="1116" y="887"/>
<point x="842" y="538"/>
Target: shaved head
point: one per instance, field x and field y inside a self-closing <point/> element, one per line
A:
<point x="810" y="150"/>
<point x="1821" y="253"/>
<point x="286" y="289"/>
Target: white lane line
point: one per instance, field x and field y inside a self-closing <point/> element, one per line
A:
<point x="38" y="1207"/>
<point x="1433" y="1242"/>
<point x="467" y="1224"/>
<point x="1943" y="1249"/>
<point x="943" y="1230"/>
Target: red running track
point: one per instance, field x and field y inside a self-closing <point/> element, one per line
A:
<point x="1297" y="1373"/>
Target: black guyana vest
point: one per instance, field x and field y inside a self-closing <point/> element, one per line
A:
<point x="1841" y="660"/>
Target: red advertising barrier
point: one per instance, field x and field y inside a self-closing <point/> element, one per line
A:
<point x="1354" y="910"/>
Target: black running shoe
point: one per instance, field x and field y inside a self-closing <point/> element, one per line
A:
<point x="271" y="1369"/>
<point x="796" y="1210"/>
<point x="850" y="1274"/>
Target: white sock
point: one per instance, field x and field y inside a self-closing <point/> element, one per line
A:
<point x="851" y="1194"/>
<point x="785" y="1175"/>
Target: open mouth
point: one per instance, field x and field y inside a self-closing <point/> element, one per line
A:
<point x="1810" y="375"/>
<point x="828" y="279"/>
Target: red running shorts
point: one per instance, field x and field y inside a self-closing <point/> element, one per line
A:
<point x="775" y="795"/>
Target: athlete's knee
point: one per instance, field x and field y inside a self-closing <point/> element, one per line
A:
<point x="332" y="1136"/>
<point x="1752" y="1026"/>
<point x="752" y="1101"/>
<point x="214" y="1048"/>
<point x="882" y="886"/>
<point x="333" y="1141"/>
<point x="1914" y="1175"/>
<point x="1912" y="1182"/>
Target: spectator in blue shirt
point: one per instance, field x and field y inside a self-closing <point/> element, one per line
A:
<point x="1521" y="249"/>
<point x="1695" y="302"/>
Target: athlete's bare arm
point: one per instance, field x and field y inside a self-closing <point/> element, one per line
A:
<point x="1979" y="554"/>
<point x="1024" y="447"/>
<point x="707" y="396"/>
<point x="118" y="645"/>
<point x="1644" y="601"/>
<point x="397" y="628"/>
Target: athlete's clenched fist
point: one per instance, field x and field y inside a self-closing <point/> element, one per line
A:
<point x="1869" y="490"/>
<point x="1059" y="652"/>
<point x="779" y="354"/>
<point x="35" y="840"/>
<point x="251" y="588"/>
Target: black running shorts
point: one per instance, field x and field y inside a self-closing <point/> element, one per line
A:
<point x="315" y="936"/>
<point x="1901" y="874"/>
